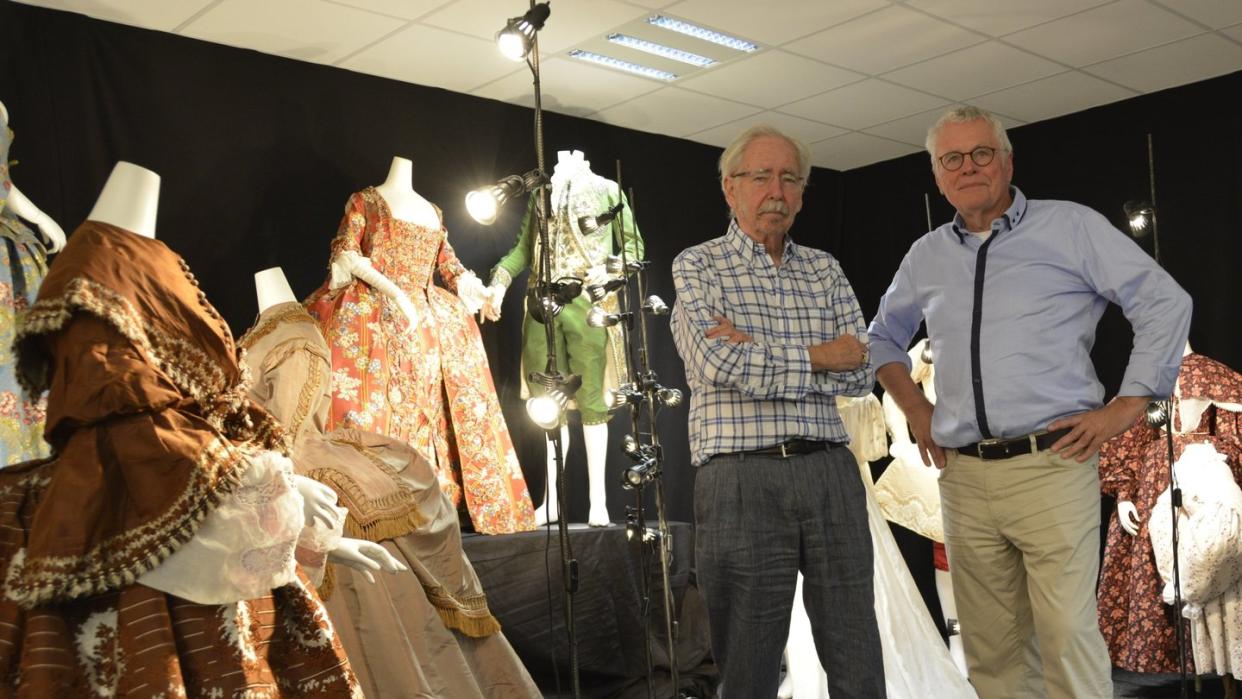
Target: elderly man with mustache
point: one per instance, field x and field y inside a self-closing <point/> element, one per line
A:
<point x="1011" y="291"/>
<point x="769" y="332"/>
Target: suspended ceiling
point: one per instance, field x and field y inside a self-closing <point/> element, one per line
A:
<point x="858" y="80"/>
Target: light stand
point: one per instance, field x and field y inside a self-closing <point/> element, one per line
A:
<point x="643" y="395"/>
<point x="519" y="40"/>
<point x="1142" y="218"/>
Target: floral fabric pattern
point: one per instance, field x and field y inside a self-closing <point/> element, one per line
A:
<point x="23" y="264"/>
<point x="429" y="386"/>
<point x="1137" y="626"/>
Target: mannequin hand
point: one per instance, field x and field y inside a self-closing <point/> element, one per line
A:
<point x="1127" y="517"/>
<point x="364" y="557"/>
<point x="846" y="353"/>
<point x="318" y="501"/>
<point x="494" y="295"/>
<point x="1094" y="427"/>
<point x="724" y="329"/>
<point x="408" y="310"/>
<point x="54" y="235"/>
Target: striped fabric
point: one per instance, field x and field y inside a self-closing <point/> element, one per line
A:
<point x="757" y="394"/>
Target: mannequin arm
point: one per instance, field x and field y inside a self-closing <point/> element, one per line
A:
<point x="360" y="267"/>
<point x="1127" y="517"/>
<point x="20" y="205"/>
<point x="468" y="287"/>
<point x="364" y="557"/>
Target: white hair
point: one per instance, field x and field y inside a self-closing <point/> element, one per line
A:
<point x="962" y="115"/>
<point x="732" y="155"/>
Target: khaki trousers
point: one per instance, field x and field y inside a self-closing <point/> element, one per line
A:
<point x="1023" y="542"/>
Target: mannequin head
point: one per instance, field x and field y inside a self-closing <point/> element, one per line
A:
<point x="569" y="162"/>
<point x="400" y="174"/>
<point x="4" y="113"/>
<point x="272" y="288"/>
<point x="129" y="200"/>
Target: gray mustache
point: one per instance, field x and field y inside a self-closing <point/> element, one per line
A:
<point x="778" y="207"/>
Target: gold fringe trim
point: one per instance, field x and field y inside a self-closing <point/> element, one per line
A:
<point x="384" y="528"/>
<point x="328" y="586"/>
<point x="474" y="627"/>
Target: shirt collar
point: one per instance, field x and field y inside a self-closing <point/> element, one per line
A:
<point x="742" y="244"/>
<point x="1008" y="220"/>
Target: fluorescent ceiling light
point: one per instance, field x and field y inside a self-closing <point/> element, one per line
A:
<point x="703" y="33"/>
<point x="619" y="64"/>
<point x="660" y="50"/>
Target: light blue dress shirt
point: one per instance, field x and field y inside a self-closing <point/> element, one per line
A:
<point x="1051" y="269"/>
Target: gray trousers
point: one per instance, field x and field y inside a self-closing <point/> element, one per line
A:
<point x="758" y="521"/>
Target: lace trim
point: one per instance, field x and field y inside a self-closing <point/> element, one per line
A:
<point x="121" y="559"/>
<point x="292" y="314"/>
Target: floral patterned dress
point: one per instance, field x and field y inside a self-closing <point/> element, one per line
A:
<point x="1137" y="626"/>
<point x="23" y="265"/>
<point x="429" y="386"/>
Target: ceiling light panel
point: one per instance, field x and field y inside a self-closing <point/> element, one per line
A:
<point x="703" y="33"/>
<point x="661" y="50"/>
<point x="618" y="64"/>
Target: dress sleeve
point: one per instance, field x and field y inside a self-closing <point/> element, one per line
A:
<point x="450" y="268"/>
<point x="518" y="258"/>
<point x="350" y="237"/>
<point x="1119" y="460"/>
<point x="293" y="379"/>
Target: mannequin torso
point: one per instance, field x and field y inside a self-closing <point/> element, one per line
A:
<point x="404" y="203"/>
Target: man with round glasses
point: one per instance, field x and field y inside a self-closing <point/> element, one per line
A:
<point x="1011" y="292"/>
<point x="769" y="332"/>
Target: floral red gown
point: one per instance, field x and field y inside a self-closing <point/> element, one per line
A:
<point x="430" y="386"/>
<point x="1137" y="626"/>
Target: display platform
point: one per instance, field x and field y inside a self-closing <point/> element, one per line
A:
<point x="521" y="574"/>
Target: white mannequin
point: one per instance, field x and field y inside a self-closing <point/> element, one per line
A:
<point x="594" y="437"/>
<point x="23" y="207"/>
<point x="129" y="199"/>
<point x="1127" y="513"/>
<point x="272" y="288"/>
<point x="403" y="201"/>
<point x="364" y="556"/>
<point x="900" y="433"/>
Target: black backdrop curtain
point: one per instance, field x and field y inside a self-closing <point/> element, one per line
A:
<point x="258" y="155"/>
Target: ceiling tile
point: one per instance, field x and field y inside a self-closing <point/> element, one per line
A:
<point x="1234" y="32"/>
<point x="913" y="129"/>
<point x="569" y="23"/>
<point x="1000" y="17"/>
<point x="769" y="79"/>
<point x="1104" y="32"/>
<point x="164" y="15"/>
<point x="863" y="104"/>
<point x="771" y="24"/>
<point x="804" y="130"/>
<point x="974" y="71"/>
<point x="855" y="150"/>
<point x="868" y="44"/>
<point x="1174" y="64"/>
<point x="405" y="9"/>
<point x="1050" y="97"/>
<point x="309" y="30"/>
<point x="569" y="87"/>
<point x="673" y="112"/>
<point x="1214" y="13"/>
<point x="435" y="57"/>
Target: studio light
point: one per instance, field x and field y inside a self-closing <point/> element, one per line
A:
<point x="623" y="395"/>
<point x="1140" y="215"/>
<point x="669" y="397"/>
<point x="1157" y="413"/>
<point x="614" y="265"/>
<point x="629" y="444"/>
<point x="590" y="224"/>
<point x="599" y="318"/>
<point x="640" y="474"/>
<point x="655" y="306"/>
<point x="597" y="292"/>
<point x="484" y="204"/>
<point x="548" y="410"/>
<point x="544" y="302"/>
<point x="518" y="36"/>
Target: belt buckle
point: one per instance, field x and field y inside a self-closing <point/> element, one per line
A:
<point x="784" y="453"/>
<point x="991" y="442"/>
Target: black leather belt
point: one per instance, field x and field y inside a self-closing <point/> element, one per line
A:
<point x="990" y="449"/>
<point x="792" y="448"/>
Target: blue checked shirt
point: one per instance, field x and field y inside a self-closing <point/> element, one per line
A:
<point x="758" y="394"/>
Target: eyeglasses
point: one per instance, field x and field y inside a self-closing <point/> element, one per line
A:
<point x="981" y="156"/>
<point x="762" y="178"/>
